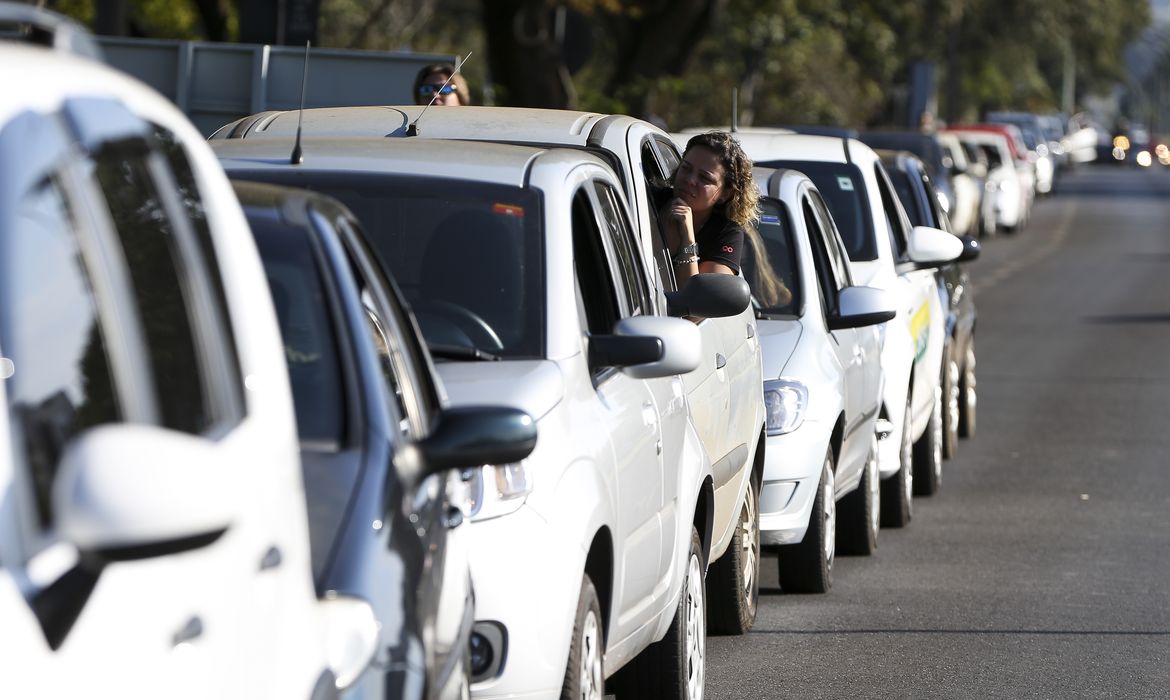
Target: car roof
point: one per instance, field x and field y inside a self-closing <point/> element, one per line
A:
<point x="463" y="160"/>
<point x="797" y="147"/>
<point x="553" y="126"/>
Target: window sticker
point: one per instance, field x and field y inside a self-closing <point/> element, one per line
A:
<point x="508" y="209"/>
<point x="845" y="183"/>
<point x="770" y="219"/>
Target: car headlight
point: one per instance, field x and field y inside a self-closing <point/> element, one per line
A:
<point x="351" y="636"/>
<point x="784" y="404"/>
<point x="1005" y="185"/>
<point x="497" y="489"/>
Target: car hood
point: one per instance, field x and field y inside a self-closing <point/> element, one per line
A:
<point x="533" y="386"/>
<point x="778" y="340"/>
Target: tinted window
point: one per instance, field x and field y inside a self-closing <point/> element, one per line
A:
<point x="60" y="381"/>
<point x="890" y="207"/>
<point x="826" y="279"/>
<point x="904" y="188"/>
<point x="625" y="245"/>
<point x="658" y="193"/>
<point x="153" y="260"/>
<point x="832" y="242"/>
<point x="467" y="256"/>
<point x="843" y="188"/>
<point x="770" y="263"/>
<point x="593" y="272"/>
<point x="310" y="339"/>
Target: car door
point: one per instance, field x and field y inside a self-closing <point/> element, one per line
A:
<point x="626" y="408"/>
<point x="114" y="314"/>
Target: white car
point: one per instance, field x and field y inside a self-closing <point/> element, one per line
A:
<point x="821" y="337"/>
<point x="973" y="213"/>
<point x="1003" y="179"/>
<point x="885" y="252"/>
<point x="724" y="392"/>
<point x="153" y="519"/>
<point x="524" y="270"/>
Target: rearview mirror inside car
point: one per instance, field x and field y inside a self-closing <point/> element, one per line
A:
<point x="932" y="247"/>
<point x="710" y="295"/>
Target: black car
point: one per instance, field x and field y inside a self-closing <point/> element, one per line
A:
<point x="378" y="447"/>
<point x="915" y="189"/>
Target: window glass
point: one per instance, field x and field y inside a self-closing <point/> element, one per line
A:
<point x="310" y="339"/>
<point x="467" y="256"/>
<point x="659" y="190"/>
<point x="50" y="331"/>
<point x="147" y="235"/>
<point x="770" y="263"/>
<point x="890" y="209"/>
<point x="593" y="271"/>
<point x="843" y="188"/>
<point x="832" y="241"/>
<point x="625" y="246"/>
<point x="826" y="280"/>
<point x="904" y="188"/>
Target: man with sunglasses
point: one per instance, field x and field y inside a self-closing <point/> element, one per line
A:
<point x="440" y="85"/>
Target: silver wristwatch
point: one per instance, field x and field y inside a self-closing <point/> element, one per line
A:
<point x="686" y="254"/>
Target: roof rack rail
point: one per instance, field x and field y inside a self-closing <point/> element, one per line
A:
<point x="34" y="25"/>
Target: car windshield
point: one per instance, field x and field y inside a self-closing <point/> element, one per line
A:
<point x="310" y="339"/>
<point x="769" y="263"/>
<point x="843" y="189"/>
<point x="467" y="256"/>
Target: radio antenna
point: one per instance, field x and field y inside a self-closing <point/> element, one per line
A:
<point x="412" y="130"/>
<point x="734" y="109"/>
<point x="297" y="157"/>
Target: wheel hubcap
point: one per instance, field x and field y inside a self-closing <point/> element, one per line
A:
<point x="970" y="377"/>
<point x="937" y="430"/>
<point x="749" y="538"/>
<point x="591" y="677"/>
<point x="830" y="508"/>
<point x="952" y="398"/>
<point x="875" y="501"/>
<point x="907" y="455"/>
<point x="696" y="623"/>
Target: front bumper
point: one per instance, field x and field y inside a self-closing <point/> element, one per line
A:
<point x="792" y="470"/>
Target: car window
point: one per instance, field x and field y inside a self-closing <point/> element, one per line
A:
<point x="594" y="278"/>
<point x="890" y="209"/>
<point x="832" y="240"/>
<point x="659" y="191"/>
<point x="843" y="188"/>
<point x="770" y="263"/>
<point x="53" y="335"/>
<point x="307" y="329"/>
<point x="467" y="256"/>
<point x="612" y="218"/>
<point x="827" y="281"/>
<point x="904" y="189"/>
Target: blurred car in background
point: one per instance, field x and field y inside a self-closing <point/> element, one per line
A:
<point x="974" y="210"/>
<point x="927" y="147"/>
<point x="153" y="520"/>
<point x="913" y="185"/>
<point x="378" y="445"/>
<point x="1041" y="150"/>
<point x="1003" y="179"/>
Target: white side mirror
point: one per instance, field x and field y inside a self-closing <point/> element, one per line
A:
<point x="931" y="246"/>
<point x="681" y="345"/>
<point x="139" y="490"/>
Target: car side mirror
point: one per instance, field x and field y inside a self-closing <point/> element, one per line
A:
<point x="645" y="347"/>
<point x="467" y="436"/>
<point x="861" y="306"/>
<point x="932" y="247"/>
<point x="130" y="491"/>
<point x="710" y="295"/>
<point x="971" y="249"/>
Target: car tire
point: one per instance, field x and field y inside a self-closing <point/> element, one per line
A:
<point x="950" y="417"/>
<point x="859" y="514"/>
<point x="807" y="567"/>
<point x="928" y="451"/>
<point x="733" y="581"/>
<point x="898" y="490"/>
<point x="967" y="396"/>
<point x="585" y="674"/>
<point x="674" y="668"/>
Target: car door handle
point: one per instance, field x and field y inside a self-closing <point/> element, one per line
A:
<point x="271" y="559"/>
<point x="649" y="415"/>
<point x="720" y="361"/>
<point x="751" y="331"/>
<point x="189" y="632"/>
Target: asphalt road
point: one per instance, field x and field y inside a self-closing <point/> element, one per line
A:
<point x="1042" y="567"/>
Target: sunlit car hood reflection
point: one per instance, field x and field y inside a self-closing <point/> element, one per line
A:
<point x="533" y="386"/>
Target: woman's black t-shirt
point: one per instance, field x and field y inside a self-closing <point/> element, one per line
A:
<point x="720" y="241"/>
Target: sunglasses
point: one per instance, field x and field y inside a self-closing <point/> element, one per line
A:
<point x="428" y="90"/>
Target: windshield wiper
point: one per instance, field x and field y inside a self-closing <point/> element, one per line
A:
<point x="461" y="352"/>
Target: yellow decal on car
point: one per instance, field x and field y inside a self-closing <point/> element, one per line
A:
<point x="919" y="325"/>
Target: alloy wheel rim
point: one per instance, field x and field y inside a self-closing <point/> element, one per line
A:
<point x="590" y="671"/>
<point x="875" y="513"/>
<point x="907" y="453"/>
<point x="970" y="376"/>
<point x="748" y="537"/>
<point x="937" y="430"/>
<point x="696" y="631"/>
<point x="952" y="397"/>
<point x="830" y="508"/>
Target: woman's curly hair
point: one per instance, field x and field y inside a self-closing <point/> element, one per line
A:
<point x="743" y="206"/>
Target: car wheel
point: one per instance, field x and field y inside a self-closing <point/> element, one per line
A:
<point x="733" y="581"/>
<point x="807" y="567"/>
<point x="928" y="452"/>
<point x="897" y="491"/>
<point x="860" y="511"/>
<point x="674" y="667"/>
<point x="967" y="397"/>
<point x="950" y="416"/>
<point x="584" y="676"/>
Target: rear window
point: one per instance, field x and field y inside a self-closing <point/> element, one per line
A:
<point x="843" y="189"/>
<point x="770" y="263"/>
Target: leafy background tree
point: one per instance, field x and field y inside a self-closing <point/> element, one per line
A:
<point x="843" y="62"/>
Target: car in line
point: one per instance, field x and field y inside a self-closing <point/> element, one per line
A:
<point x="153" y="525"/>
<point x="913" y="185"/>
<point x="724" y="392"/>
<point x="821" y="337"/>
<point x="969" y="176"/>
<point x="1003" y="180"/>
<point x="886" y="252"/>
<point x="379" y="448"/>
<point x="523" y="268"/>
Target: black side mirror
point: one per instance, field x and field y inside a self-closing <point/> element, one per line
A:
<point x="971" y="249"/>
<point x="710" y="295"/>
<point x="467" y="436"/>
